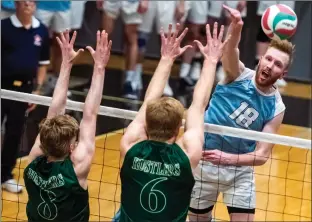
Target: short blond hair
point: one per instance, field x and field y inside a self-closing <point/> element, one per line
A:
<point x="284" y="46"/>
<point x="56" y="135"/>
<point x="163" y="118"/>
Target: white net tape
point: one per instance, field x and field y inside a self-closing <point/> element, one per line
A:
<point x="128" y="114"/>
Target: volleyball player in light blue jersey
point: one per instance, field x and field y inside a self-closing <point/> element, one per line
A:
<point x="245" y="99"/>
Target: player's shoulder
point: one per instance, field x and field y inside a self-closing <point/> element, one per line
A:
<point x="279" y="104"/>
<point x="245" y="75"/>
<point x="136" y="148"/>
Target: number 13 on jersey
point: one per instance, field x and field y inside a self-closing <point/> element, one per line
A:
<point x="244" y="115"/>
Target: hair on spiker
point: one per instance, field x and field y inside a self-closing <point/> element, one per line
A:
<point x="284" y="46"/>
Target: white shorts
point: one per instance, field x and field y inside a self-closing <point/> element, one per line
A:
<point x="77" y="13"/>
<point x="198" y="12"/>
<point x="236" y="183"/>
<point x="263" y="5"/>
<point x="164" y="14"/>
<point x="128" y="11"/>
<point x="55" y="21"/>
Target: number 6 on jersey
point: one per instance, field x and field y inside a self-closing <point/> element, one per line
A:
<point x="151" y="199"/>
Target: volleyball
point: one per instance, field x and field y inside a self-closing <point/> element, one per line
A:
<point x="279" y="22"/>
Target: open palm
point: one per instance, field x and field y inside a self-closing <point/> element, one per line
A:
<point x="101" y="53"/>
<point x="67" y="46"/>
<point x="170" y="45"/>
<point x="214" y="47"/>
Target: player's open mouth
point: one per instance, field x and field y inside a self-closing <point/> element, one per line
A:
<point x="265" y="74"/>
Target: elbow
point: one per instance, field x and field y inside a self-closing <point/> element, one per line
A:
<point x="89" y="114"/>
<point x="197" y="107"/>
<point x="261" y="161"/>
<point x="90" y="147"/>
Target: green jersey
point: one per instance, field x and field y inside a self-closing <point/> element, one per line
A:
<point x="54" y="193"/>
<point x="156" y="183"/>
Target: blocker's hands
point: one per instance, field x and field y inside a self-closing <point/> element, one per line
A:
<point x="170" y="45"/>
<point x="214" y="48"/>
<point x="67" y="47"/>
<point x="102" y="51"/>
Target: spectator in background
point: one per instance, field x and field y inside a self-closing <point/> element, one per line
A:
<point x="164" y="12"/>
<point x="77" y="14"/>
<point x="263" y="40"/>
<point x="241" y="6"/>
<point x="55" y="15"/>
<point x="7" y="9"/>
<point x="197" y="19"/>
<point x="24" y="59"/>
<point x="213" y="11"/>
<point x="131" y="13"/>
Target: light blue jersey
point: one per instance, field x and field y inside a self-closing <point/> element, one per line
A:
<point x="241" y="105"/>
<point x="54" y="6"/>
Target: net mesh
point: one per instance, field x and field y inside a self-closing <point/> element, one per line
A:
<point x="282" y="184"/>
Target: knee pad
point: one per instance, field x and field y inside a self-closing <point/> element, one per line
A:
<point x="142" y="41"/>
<point x="200" y="214"/>
<point x="240" y="210"/>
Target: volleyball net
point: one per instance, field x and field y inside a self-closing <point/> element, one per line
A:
<point x="282" y="184"/>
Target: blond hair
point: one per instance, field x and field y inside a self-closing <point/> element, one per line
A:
<point x="284" y="46"/>
<point x="56" y="135"/>
<point x="163" y="118"/>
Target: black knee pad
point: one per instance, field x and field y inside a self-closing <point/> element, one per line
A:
<point x="240" y="210"/>
<point x="201" y="211"/>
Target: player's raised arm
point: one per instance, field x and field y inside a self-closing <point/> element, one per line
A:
<point x="60" y="92"/>
<point x="59" y="98"/>
<point x="83" y="154"/>
<point x="170" y="50"/>
<point x="231" y="64"/>
<point x="193" y="138"/>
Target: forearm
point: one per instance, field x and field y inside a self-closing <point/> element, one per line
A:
<point x="60" y="92"/>
<point x="156" y="87"/>
<point x="249" y="159"/>
<point x="235" y="31"/>
<point x="204" y="85"/>
<point x="91" y="108"/>
<point x="95" y="93"/>
<point x="230" y="58"/>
